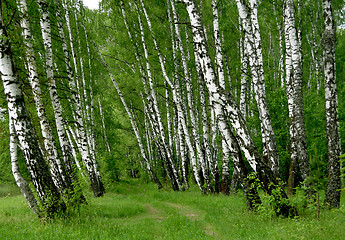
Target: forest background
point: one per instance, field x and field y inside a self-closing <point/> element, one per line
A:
<point x="126" y="53"/>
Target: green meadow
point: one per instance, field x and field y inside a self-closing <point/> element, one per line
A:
<point x="133" y="210"/>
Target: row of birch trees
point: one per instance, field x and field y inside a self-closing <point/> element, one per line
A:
<point x="46" y="70"/>
<point x="203" y="81"/>
<point x="221" y="94"/>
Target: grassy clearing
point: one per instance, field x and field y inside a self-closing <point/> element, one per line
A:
<point x="139" y="211"/>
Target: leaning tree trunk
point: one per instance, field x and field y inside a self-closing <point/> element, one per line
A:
<point x="82" y="141"/>
<point x="46" y="190"/>
<point x="67" y="149"/>
<point x="134" y="125"/>
<point x="166" y="151"/>
<point x="227" y="109"/>
<point x="103" y="126"/>
<point x="333" y="147"/>
<point x="20" y="181"/>
<point x="244" y="73"/>
<point x="190" y="100"/>
<point x="221" y="79"/>
<point x="251" y="28"/>
<point x="51" y="152"/>
<point x="88" y="98"/>
<point x="60" y="126"/>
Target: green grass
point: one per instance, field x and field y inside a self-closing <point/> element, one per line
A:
<point x="8" y="190"/>
<point x="132" y="210"/>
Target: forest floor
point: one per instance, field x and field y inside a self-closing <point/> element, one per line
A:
<point x="133" y="210"/>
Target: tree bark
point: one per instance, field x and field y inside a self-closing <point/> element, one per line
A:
<point x="50" y="150"/>
<point x="38" y="169"/>
<point x="20" y="181"/>
<point x="226" y="108"/>
<point x="293" y="64"/>
<point x="250" y="24"/>
<point x="133" y="123"/>
<point x="82" y="141"/>
<point x="332" y="132"/>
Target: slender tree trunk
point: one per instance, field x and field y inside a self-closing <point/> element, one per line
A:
<point x="190" y="98"/>
<point x="103" y="125"/>
<point x="281" y="50"/>
<point x="293" y="64"/>
<point x="250" y="25"/>
<point x="82" y="141"/>
<point x="332" y="132"/>
<point x="244" y="73"/>
<point x="20" y="181"/>
<point x="227" y="109"/>
<point x="134" y="125"/>
<point x="38" y="169"/>
<point x="221" y="79"/>
<point x="50" y="150"/>
<point x="46" y="34"/>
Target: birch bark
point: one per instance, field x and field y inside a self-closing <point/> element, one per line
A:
<point x="250" y="25"/>
<point x="103" y="125"/>
<point x="332" y="132"/>
<point x="50" y="152"/>
<point x="226" y="108"/>
<point x="221" y="79"/>
<point x="134" y="125"/>
<point x="244" y="73"/>
<point x="155" y="110"/>
<point x="82" y="141"/>
<point x="190" y="99"/>
<point x="20" y="181"/>
<point x="46" y="34"/>
<point x="294" y="91"/>
<point x="19" y="115"/>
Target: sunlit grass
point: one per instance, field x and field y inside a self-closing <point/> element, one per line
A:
<point x="132" y="210"/>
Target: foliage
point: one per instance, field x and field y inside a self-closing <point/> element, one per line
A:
<point x="274" y="204"/>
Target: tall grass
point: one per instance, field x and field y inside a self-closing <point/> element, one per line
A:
<point x="132" y="210"/>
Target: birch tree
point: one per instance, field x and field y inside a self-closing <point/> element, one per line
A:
<point x="333" y="147"/>
<point x="82" y="141"/>
<point x="46" y="35"/>
<point x="293" y="65"/>
<point x="38" y="169"/>
<point x="134" y="125"/>
<point x="250" y="24"/>
<point x="20" y="181"/>
<point x="226" y="108"/>
<point x="51" y="151"/>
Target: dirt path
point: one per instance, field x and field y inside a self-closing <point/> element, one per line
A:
<point x="154" y="213"/>
<point x="194" y="215"/>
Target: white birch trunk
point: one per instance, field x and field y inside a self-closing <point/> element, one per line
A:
<point x="74" y="152"/>
<point x="87" y="158"/>
<point x="190" y="99"/>
<point x="244" y="73"/>
<point x="162" y="135"/>
<point x="253" y="46"/>
<point x="24" y="129"/>
<point x="294" y="91"/>
<point x="332" y="132"/>
<point x="226" y="108"/>
<point x="103" y="126"/>
<point x="46" y="34"/>
<point x="221" y="79"/>
<point x="20" y="181"/>
<point x="50" y="150"/>
<point x="133" y="123"/>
